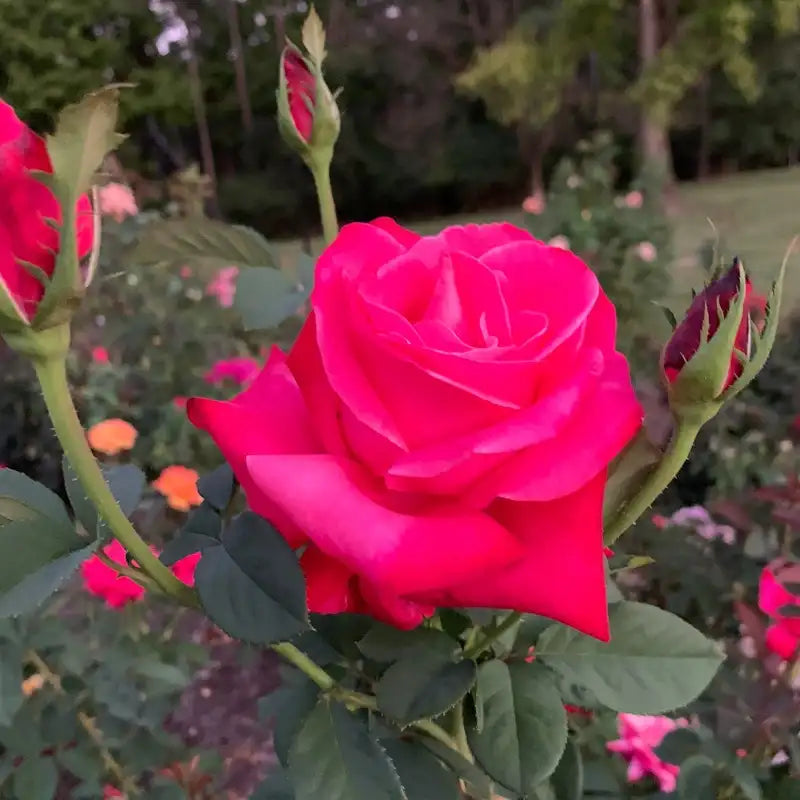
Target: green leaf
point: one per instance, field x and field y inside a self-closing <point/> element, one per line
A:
<point x="678" y="745"/>
<point x="745" y="779"/>
<point x="202" y="530"/>
<point x="567" y="780"/>
<point x="36" y="779"/>
<point x="11" y="697"/>
<point x="422" y="775"/>
<point x="125" y="481"/>
<point x="217" y="487"/>
<point x="204" y="241"/>
<point x="335" y="757"/>
<point x="477" y="779"/>
<point x="525" y="725"/>
<point x="696" y="779"/>
<point x="34" y="588"/>
<point x="290" y="705"/>
<point x="423" y="685"/>
<point x="251" y="584"/>
<point x="83" y="762"/>
<point x="266" y="297"/>
<point x="276" y="786"/>
<point x="655" y="662"/>
<point x="385" y="644"/>
<point x="22" y="498"/>
<point x="85" y="133"/>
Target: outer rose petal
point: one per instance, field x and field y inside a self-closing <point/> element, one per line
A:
<point x="403" y="235"/>
<point x="563" y="574"/>
<point x="269" y="417"/>
<point x="400" y="553"/>
<point x="479" y="239"/>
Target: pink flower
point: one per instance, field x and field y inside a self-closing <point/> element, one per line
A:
<point x="118" y="590"/>
<point x="110" y="792"/>
<point x="783" y="636"/>
<point x="27" y="210"/>
<point x="634" y="199"/>
<point x="639" y="737"/>
<point x="100" y="355"/>
<point x="186" y="271"/>
<point x="534" y="204"/>
<point x="180" y="402"/>
<point x="184" y="569"/>
<point x="240" y="370"/>
<point x="439" y="434"/>
<point x="301" y="89"/>
<point x="559" y="241"/>
<point x="646" y="251"/>
<point x="117" y="201"/>
<point x="103" y="581"/>
<point x="223" y="286"/>
<point x="699" y="519"/>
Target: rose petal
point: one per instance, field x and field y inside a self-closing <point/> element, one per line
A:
<point x="401" y="553"/>
<point x="596" y="432"/>
<point x="563" y="574"/>
<point x="268" y="417"/>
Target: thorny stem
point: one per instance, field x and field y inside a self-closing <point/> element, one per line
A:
<point x="52" y="376"/>
<point x="667" y="468"/>
<point x="88" y="724"/>
<point x="327" y="206"/>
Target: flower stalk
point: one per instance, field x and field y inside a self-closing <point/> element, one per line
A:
<point x="52" y="375"/>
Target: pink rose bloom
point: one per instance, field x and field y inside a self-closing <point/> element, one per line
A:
<point x="118" y="590"/>
<point x="100" y="355"/>
<point x="647" y="252"/>
<point x="223" y="286"/>
<point x="184" y="569"/>
<point x="639" y="737"/>
<point x="103" y="581"/>
<point x="783" y="636"/>
<point x="559" y="241"/>
<point x="634" y="199"/>
<point x="185" y="272"/>
<point x="533" y="204"/>
<point x="440" y="432"/>
<point x="698" y="518"/>
<point x="117" y="201"/>
<point x="240" y="370"/>
<point x="180" y="402"/>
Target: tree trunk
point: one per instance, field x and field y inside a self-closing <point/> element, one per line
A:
<point x="240" y="69"/>
<point x="201" y="120"/>
<point x="704" y="154"/>
<point x="653" y="134"/>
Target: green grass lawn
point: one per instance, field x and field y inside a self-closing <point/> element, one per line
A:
<point x="756" y="215"/>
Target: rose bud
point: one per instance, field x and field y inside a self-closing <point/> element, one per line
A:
<point x="720" y="345"/>
<point x="308" y="116"/>
<point x="29" y="218"/>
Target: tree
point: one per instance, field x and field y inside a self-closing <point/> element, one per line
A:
<point x="523" y="79"/>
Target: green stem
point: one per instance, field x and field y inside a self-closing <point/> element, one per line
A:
<point x="460" y="732"/>
<point x="673" y="459"/>
<point x="492" y="635"/>
<point x="350" y="698"/>
<point x="52" y="376"/>
<point x="327" y="206"/>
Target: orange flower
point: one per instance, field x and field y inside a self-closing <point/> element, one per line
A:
<point x="32" y="685"/>
<point x="179" y="485"/>
<point x="112" y="436"/>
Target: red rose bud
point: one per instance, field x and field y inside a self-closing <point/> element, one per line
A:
<point x="29" y="218"/>
<point x="308" y="116"/>
<point x="721" y="344"/>
<point x="48" y="229"/>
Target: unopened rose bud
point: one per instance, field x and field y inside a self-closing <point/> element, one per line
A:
<point x="30" y="240"/>
<point x="308" y="116"/>
<point x="720" y="345"/>
<point x="48" y="229"/>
